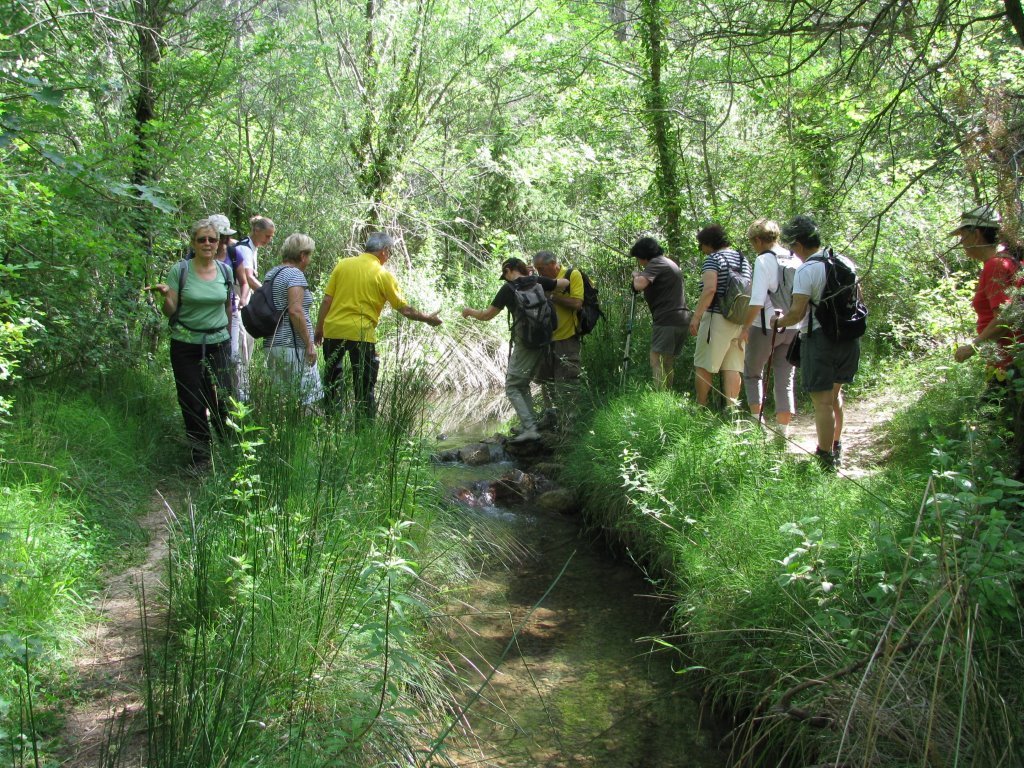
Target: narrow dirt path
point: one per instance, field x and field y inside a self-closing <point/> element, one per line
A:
<point x="864" y="448"/>
<point x="106" y="718"/>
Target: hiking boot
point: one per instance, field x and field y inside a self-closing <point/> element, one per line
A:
<point x="526" y="436"/>
<point x="837" y="453"/>
<point x="825" y="460"/>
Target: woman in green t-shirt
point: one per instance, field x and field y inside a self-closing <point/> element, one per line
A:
<point x="200" y="320"/>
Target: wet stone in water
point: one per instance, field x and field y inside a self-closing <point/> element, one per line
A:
<point x="475" y="454"/>
<point x="561" y="501"/>
<point x="513" y="487"/>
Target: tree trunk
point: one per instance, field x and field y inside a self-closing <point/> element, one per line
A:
<point x="150" y="18"/>
<point x="659" y="126"/>
<point x="1016" y="17"/>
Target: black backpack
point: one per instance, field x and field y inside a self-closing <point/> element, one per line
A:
<point x="590" y="312"/>
<point x="259" y="316"/>
<point x="533" y="320"/>
<point x="840" y="314"/>
<point x="229" y="283"/>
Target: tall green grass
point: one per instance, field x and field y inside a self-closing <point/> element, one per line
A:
<point x="299" y="595"/>
<point x="870" y="622"/>
<point x="76" y="470"/>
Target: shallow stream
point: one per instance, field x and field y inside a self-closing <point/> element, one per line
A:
<point x="552" y="643"/>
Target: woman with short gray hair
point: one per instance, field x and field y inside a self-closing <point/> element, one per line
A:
<point x="291" y="353"/>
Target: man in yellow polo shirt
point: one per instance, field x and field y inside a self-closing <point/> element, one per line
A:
<point x="347" y="321"/>
<point x="561" y="368"/>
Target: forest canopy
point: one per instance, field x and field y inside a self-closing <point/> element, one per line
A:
<point x="482" y="129"/>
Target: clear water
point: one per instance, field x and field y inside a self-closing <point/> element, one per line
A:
<point x="553" y="648"/>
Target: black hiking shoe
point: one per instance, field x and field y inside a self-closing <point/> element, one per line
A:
<point x="837" y="453"/>
<point x="826" y="460"/>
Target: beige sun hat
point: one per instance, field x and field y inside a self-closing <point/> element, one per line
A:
<point x="220" y="221"/>
<point x="982" y="216"/>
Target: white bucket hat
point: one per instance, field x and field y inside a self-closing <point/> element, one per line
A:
<point x="982" y="216"/>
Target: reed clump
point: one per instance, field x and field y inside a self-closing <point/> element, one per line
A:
<point x="296" y="631"/>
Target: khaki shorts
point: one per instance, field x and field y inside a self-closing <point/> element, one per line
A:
<point x="723" y="351"/>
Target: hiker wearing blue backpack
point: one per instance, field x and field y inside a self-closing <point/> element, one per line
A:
<point x="533" y="323"/>
<point x="718" y="319"/>
<point x="771" y="293"/>
<point x="197" y="298"/>
<point x="826" y="284"/>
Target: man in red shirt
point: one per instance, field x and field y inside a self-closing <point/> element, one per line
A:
<point x="979" y="237"/>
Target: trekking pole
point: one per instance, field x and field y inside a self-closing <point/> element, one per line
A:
<point x="629" y="339"/>
<point x="767" y="375"/>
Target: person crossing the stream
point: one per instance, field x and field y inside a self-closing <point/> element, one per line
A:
<point x="560" y="370"/>
<point x="525" y="357"/>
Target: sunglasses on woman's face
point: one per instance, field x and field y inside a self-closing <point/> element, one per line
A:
<point x="205" y="240"/>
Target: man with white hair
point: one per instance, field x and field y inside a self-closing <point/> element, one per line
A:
<point x="347" y="321"/>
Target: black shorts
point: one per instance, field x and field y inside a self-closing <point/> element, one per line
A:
<point x="825" y="363"/>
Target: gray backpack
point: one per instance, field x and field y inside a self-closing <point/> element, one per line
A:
<point x="534" y="320"/>
<point x="782" y="297"/>
<point x="736" y="300"/>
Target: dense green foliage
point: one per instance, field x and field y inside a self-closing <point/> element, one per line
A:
<point x="869" y="621"/>
<point x="476" y="131"/>
<point x="481" y="130"/>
